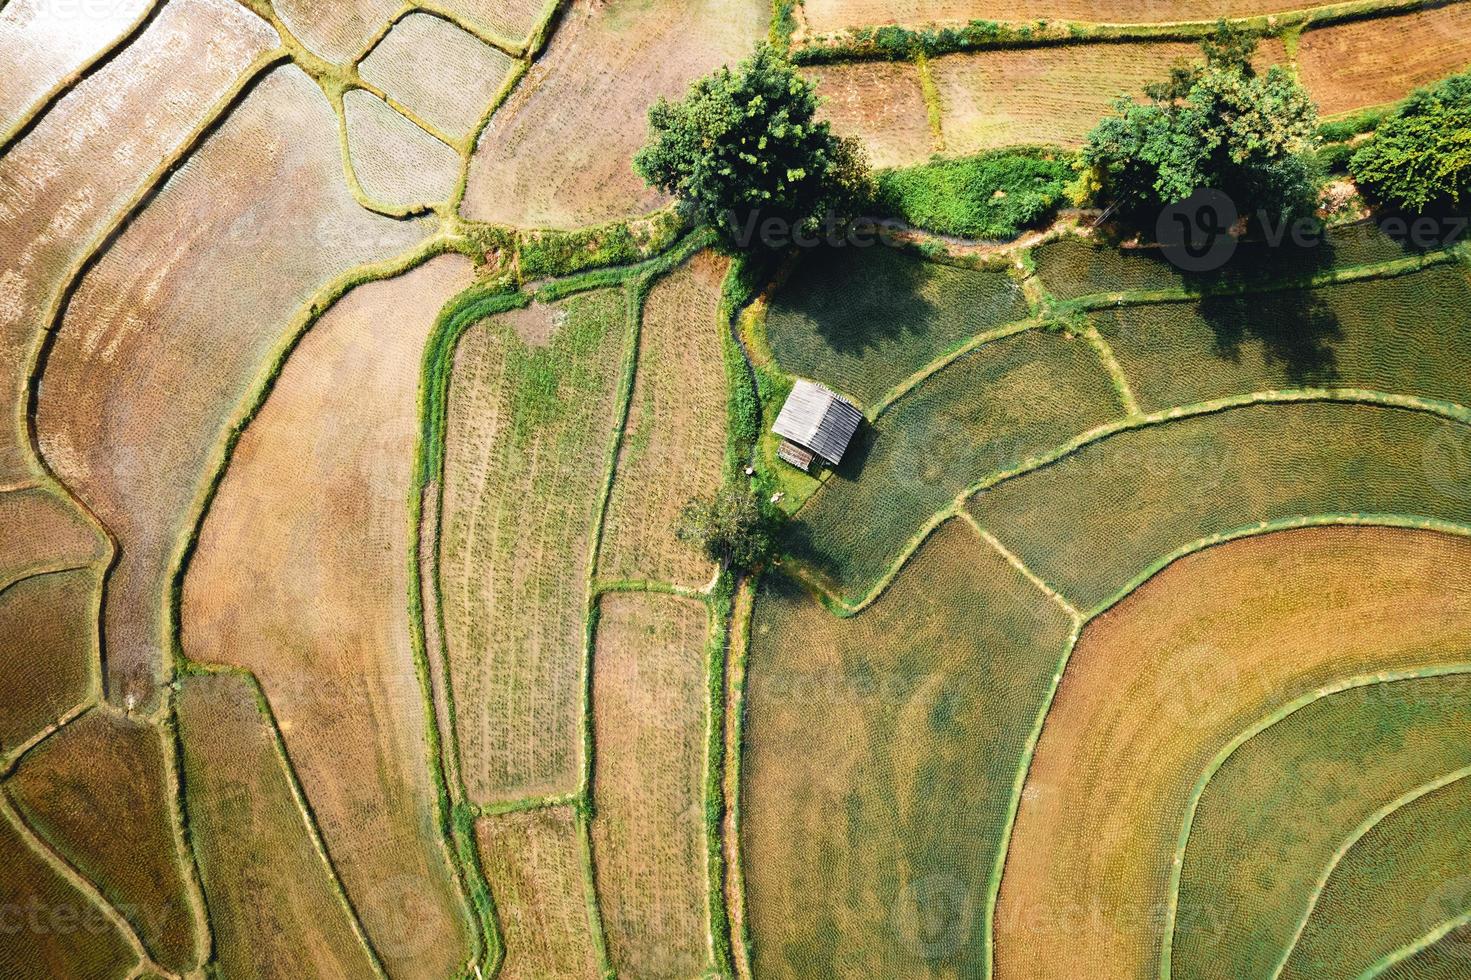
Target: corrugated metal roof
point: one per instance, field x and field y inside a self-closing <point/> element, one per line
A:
<point x="798" y="456"/>
<point x="815" y="417"/>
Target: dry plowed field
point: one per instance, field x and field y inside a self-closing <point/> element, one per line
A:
<point x="1345" y="67"/>
<point x="321" y="480"/>
<point x="833" y="15"/>
<point x="558" y="153"/>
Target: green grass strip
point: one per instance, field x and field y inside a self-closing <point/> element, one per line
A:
<point x="1178" y="863"/>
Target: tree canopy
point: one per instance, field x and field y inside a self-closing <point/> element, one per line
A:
<point x="1419" y="159"/>
<point x="738" y="529"/>
<point x="1220" y="125"/>
<point x="745" y="152"/>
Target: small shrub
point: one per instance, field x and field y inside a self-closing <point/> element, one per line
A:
<point x="1420" y="157"/>
<point x="994" y="195"/>
<point x="738" y="529"/>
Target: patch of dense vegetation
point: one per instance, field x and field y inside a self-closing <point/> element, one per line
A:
<point x="745" y="152"/>
<point x="993" y="195"/>
<point x="739" y="529"/>
<point x="1221" y="126"/>
<point x="1419" y="159"/>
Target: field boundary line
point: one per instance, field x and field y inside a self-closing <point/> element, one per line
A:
<point x="1353" y="838"/>
<point x="64" y="86"/>
<point x="630" y="586"/>
<point x="44" y="569"/>
<point x="267" y="714"/>
<point x="1015" y="562"/>
<point x="350" y="173"/>
<point x="888" y="399"/>
<point x="934" y="107"/>
<point x="1224" y="755"/>
<point x="12" y="759"/>
<point x="1343" y="275"/>
<point x="858" y="43"/>
<point x="39" y="847"/>
<point x="171" y="749"/>
<point x="1018" y="789"/>
<point x="489" y="38"/>
<point x="737" y="651"/>
<point x="524" y="804"/>
<point x="1121" y="386"/>
<point x="1418" y="946"/>
<point x="583" y="822"/>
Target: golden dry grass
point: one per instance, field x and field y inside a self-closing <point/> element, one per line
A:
<point x="445" y="75"/>
<point x="832" y="15"/>
<point x="880" y="757"/>
<point x="1051" y="95"/>
<point x="648" y="835"/>
<point x="559" y="152"/>
<point x="168" y="335"/>
<point x="301" y="578"/>
<point x="533" y="862"/>
<point x="44" y="532"/>
<point x="881" y="103"/>
<point x="396" y="162"/>
<point x="273" y="907"/>
<point x="116" y="126"/>
<point x="674" y="446"/>
<point x="42" y="43"/>
<point x="527" y="438"/>
<point x="47" y="628"/>
<point x="62" y="933"/>
<point x="98" y="791"/>
<point x="1157" y="685"/>
<point x="1371" y="62"/>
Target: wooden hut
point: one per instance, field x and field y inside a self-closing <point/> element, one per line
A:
<point x="815" y="422"/>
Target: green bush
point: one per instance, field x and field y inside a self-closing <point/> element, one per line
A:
<point x="1420" y="157"/>
<point x="994" y="195"/>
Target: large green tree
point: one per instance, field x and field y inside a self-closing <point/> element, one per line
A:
<point x="1420" y="158"/>
<point x="745" y="152"/>
<point x="739" y="529"/>
<point x="1220" y="125"/>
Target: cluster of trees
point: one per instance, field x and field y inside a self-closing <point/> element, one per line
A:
<point x="1419" y="159"/>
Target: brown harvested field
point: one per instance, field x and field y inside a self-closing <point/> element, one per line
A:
<point x="117" y="126"/>
<point x="881" y="752"/>
<point x="527" y="437"/>
<point x="99" y="791"/>
<point x="42" y="43"/>
<point x="834" y="15"/>
<point x="319" y="486"/>
<point x="674" y="445"/>
<point x="338" y="31"/>
<point x="559" y="152"/>
<point x="1156" y="687"/>
<point x="511" y="20"/>
<point x="649" y="725"/>
<point x="150" y="367"/>
<point x="445" y="75"/>
<point x="44" y="532"/>
<point x="47" y="628"/>
<point x="881" y="103"/>
<point x="1052" y="95"/>
<point x="396" y="162"/>
<point x="533" y="862"/>
<point x="73" y="937"/>
<point x="1371" y="62"/>
<point x="273" y="905"/>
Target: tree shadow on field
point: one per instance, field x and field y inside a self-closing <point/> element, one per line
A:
<point x="1293" y="328"/>
<point x="858" y="298"/>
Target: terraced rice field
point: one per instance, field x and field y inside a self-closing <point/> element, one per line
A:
<point x="648" y="836"/>
<point x="132" y="849"/>
<point x="676" y="419"/>
<point x="354" y="396"/>
<point x="535" y="863"/>
<point x="268" y="883"/>
<point x="558" y="154"/>
<point x="527" y="433"/>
